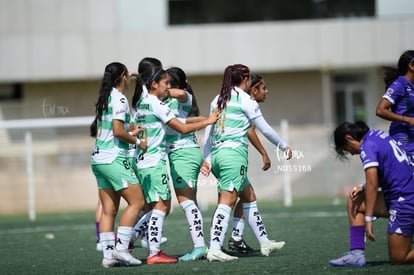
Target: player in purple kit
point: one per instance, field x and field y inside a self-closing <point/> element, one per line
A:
<point x="397" y="104"/>
<point x="387" y="166"/>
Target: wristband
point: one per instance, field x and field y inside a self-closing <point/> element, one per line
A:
<point x="130" y="133"/>
<point x="363" y="186"/>
<point x="138" y="142"/>
<point x="369" y="218"/>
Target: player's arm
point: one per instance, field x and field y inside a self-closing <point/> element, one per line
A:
<point x="192" y="127"/>
<point x="271" y="135"/>
<point x="254" y="139"/>
<point x="180" y="94"/>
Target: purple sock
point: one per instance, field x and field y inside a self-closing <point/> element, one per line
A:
<point x="356" y="237"/>
<point x="97" y="229"/>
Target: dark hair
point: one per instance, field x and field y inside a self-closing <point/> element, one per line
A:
<point x="178" y="79"/>
<point x="233" y="76"/>
<point x="255" y="81"/>
<point x="391" y="74"/>
<point x="112" y="78"/>
<point x="147" y="67"/>
<point x="356" y="130"/>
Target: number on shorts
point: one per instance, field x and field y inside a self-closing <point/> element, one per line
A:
<point x="126" y="163"/>
<point x="164" y="179"/>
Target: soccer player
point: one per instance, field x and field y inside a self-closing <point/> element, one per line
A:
<point x="153" y="115"/>
<point x="185" y="158"/>
<point x="387" y="166"/>
<point x="258" y="92"/>
<point x="225" y="154"/>
<point x="111" y="166"/>
<point x="397" y="104"/>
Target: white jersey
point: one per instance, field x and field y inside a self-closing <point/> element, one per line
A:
<point x="107" y="146"/>
<point x="235" y="120"/>
<point x="152" y="115"/>
<point x="176" y="140"/>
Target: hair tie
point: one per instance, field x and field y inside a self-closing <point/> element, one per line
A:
<point x="153" y="76"/>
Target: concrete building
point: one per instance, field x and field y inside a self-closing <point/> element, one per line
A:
<point x="319" y="72"/>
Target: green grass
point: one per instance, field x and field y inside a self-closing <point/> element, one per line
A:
<point x="315" y="231"/>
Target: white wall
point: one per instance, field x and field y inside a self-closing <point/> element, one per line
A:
<point x="75" y="39"/>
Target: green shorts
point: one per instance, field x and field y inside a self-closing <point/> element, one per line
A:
<point x="115" y="175"/>
<point x="229" y="166"/>
<point x="155" y="182"/>
<point x="185" y="167"/>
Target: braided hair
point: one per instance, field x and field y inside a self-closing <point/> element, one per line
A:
<point x="391" y="74"/>
<point x="112" y="78"/>
<point x="233" y="76"/>
<point x="178" y="79"/>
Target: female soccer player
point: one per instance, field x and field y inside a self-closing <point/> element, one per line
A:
<point x="397" y="104"/>
<point x="185" y="158"/>
<point x="225" y="154"/>
<point x="154" y="116"/>
<point x="386" y="165"/>
<point x="258" y="92"/>
<point x="111" y="166"/>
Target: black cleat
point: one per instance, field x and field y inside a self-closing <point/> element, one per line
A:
<point x="240" y="246"/>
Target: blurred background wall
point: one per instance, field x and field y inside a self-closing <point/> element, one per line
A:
<point x="322" y="61"/>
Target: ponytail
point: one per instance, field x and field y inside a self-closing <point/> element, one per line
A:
<point x="233" y="76"/>
<point x="112" y="78"/>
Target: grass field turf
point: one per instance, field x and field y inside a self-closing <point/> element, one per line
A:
<point x="315" y="232"/>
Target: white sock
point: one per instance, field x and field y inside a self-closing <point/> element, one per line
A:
<point x="195" y="221"/>
<point x="238" y="229"/>
<point x="141" y="226"/>
<point x="219" y="226"/>
<point x="252" y="216"/>
<point x="155" y="231"/>
<point x="107" y="240"/>
<point x="123" y="237"/>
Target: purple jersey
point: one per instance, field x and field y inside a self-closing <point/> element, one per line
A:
<point x="401" y="94"/>
<point x="395" y="173"/>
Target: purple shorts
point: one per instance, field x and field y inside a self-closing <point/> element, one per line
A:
<point x="401" y="220"/>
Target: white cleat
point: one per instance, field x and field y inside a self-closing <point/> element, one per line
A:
<point x="218" y="255"/>
<point x="110" y="263"/>
<point x="125" y="258"/>
<point x="267" y="248"/>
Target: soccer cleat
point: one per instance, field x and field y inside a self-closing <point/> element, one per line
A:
<point x="349" y="259"/>
<point x="110" y="263"/>
<point x="125" y="258"/>
<point x="98" y="246"/>
<point x="197" y="253"/>
<point x="218" y="255"/>
<point x="240" y="246"/>
<point x="144" y="242"/>
<point x="161" y="258"/>
<point x="267" y="248"/>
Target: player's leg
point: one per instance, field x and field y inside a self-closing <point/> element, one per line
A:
<point x="98" y="215"/>
<point x="236" y="241"/>
<point x="184" y="168"/>
<point x="156" y="182"/>
<point x="219" y="225"/>
<point x="255" y="221"/>
<point x="356" y="216"/>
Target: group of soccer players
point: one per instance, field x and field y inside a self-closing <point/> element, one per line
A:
<point x="387" y="160"/>
<point x="129" y="160"/>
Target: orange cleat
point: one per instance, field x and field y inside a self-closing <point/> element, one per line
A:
<point x="161" y="258"/>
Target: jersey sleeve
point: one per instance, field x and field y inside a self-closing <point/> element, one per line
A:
<point x="368" y="155"/>
<point x="251" y="109"/>
<point x="394" y="92"/>
<point x="163" y="112"/>
<point x="120" y="108"/>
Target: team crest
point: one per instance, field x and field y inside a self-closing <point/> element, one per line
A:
<point x="390" y="91"/>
